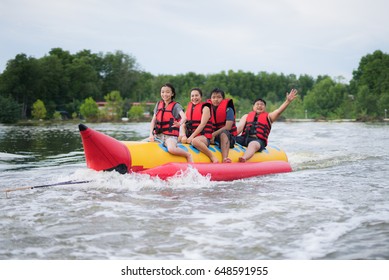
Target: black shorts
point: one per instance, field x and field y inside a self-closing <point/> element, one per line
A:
<point x="231" y="138"/>
<point x="241" y="140"/>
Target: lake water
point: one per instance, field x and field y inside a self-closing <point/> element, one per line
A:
<point x="334" y="205"/>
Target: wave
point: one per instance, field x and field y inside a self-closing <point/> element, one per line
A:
<point x="7" y="156"/>
<point x="189" y="179"/>
<point x="326" y="240"/>
<point x="309" y="160"/>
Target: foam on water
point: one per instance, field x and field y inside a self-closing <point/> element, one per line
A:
<point x="309" y="160"/>
<point x="133" y="181"/>
<point x="7" y="156"/>
<point x="333" y="206"/>
<point x="326" y="239"/>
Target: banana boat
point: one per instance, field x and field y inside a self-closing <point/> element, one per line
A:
<point x="105" y="153"/>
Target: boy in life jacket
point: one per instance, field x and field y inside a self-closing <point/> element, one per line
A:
<point x="255" y="126"/>
<point x="223" y="119"/>
<point x="198" y="127"/>
<point x="167" y="119"/>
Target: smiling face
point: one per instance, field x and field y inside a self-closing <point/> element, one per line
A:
<point x="259" y="107"/>
<point x="195" y="97"/>
<point x="167" y="94"/>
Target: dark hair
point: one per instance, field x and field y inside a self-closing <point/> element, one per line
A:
<point x="259" y="99"/>
<point x="217" y="90"/>
<point x="169" y="85"/>
<point x="198" y="89"/>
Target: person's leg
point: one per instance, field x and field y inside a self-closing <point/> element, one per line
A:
<point x="201" y="143"/>
<point x="252" y="148"/>
<point x="225" y="146"/>
<point x="171" y="145"/>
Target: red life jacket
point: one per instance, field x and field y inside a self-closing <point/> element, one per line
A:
<point x="165" y="119"/>
<point x="258" y="125"/>
<point x="219" y="115"/>
<point x="193" y="117"/>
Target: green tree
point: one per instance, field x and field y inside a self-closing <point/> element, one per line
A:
<point x="119" y="72"/>
<point x="54" y="83"/>
<point x="57" y="116"/>
<point x="216" y="80"/>
<point x="10" y="110"/>
<point x="371" y="84"/>
<point x="383" y="104"/>
<point x="20" y="80"/>
<point x="114" y="106"/>
<point x="64" y="56"/>
<point x="324" y="98"/>
<point x="136" y="113"/>
<point x="245" y="106"/>
<point x="89" y="109"/>
<point x="295" y="110"/>
<point x="63" y="81"/>
<point x="38" y="110"/>
<point x="365" y="102"/>
<point x="236" y="101"/>
<point x="83" y="79"/>
<point x="305" y="83"/>
<point x="143" y="87"/>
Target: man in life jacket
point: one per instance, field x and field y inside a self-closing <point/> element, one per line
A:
<point x="167" y="120"/>
<point x="223" y="119"/>
<point x="254" y="127"/>
<point x="198" y="126"/>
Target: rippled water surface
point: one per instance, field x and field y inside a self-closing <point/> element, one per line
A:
<point x="334" y="205"/>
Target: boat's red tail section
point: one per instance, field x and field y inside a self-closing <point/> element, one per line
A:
<point x="103" y="152"/>
<point x="221" y="171"/>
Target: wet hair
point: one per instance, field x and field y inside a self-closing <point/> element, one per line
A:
<point x="169" y="85"/>
<point x="259" y="99"/>
<point x="197" y="89"/>
<point x="217" y="90"/>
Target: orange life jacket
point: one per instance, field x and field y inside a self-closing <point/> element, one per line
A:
<point x="193" y="117"/>
<point x="258" y="125"/>
<point x="165" y="119"/>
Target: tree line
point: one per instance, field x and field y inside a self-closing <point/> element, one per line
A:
<point x="61" y="82"/>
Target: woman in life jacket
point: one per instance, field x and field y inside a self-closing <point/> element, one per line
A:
<point x="167" y="120"/>
<point x="254" y="127"/>
<point x="198" y="127"/>
<point x="223" y="119"/>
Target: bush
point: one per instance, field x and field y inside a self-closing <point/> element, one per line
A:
<point x="57" y="116"/>
<point x="38" y="110"/>
<point x="89" y="109"/>
<point x="136" y="113"/>
<point x="114" y="108"/>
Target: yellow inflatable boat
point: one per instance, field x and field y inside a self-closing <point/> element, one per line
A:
<point x="103" y="152"/>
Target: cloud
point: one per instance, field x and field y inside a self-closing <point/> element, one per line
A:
<point x="314" y="37"/>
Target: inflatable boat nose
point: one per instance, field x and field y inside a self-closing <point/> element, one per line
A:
<point x="103" y="152"/>
<point x="82" y="127"/>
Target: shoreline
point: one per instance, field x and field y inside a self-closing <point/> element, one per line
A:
<point x="51" y="122"/>
<point x="336" y="120"/>
<point x="314" y="120"/>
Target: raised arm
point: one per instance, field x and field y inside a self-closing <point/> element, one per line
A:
<point x="273" y="116"/>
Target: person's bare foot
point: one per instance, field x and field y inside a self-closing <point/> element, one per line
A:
<point x="189" y="158"/>
<point x="227" y="160"/>
<point x="241" y="159"/>
<point x="214" y="159"/>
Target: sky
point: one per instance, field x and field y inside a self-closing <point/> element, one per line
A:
<point x="313" y="37"/>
